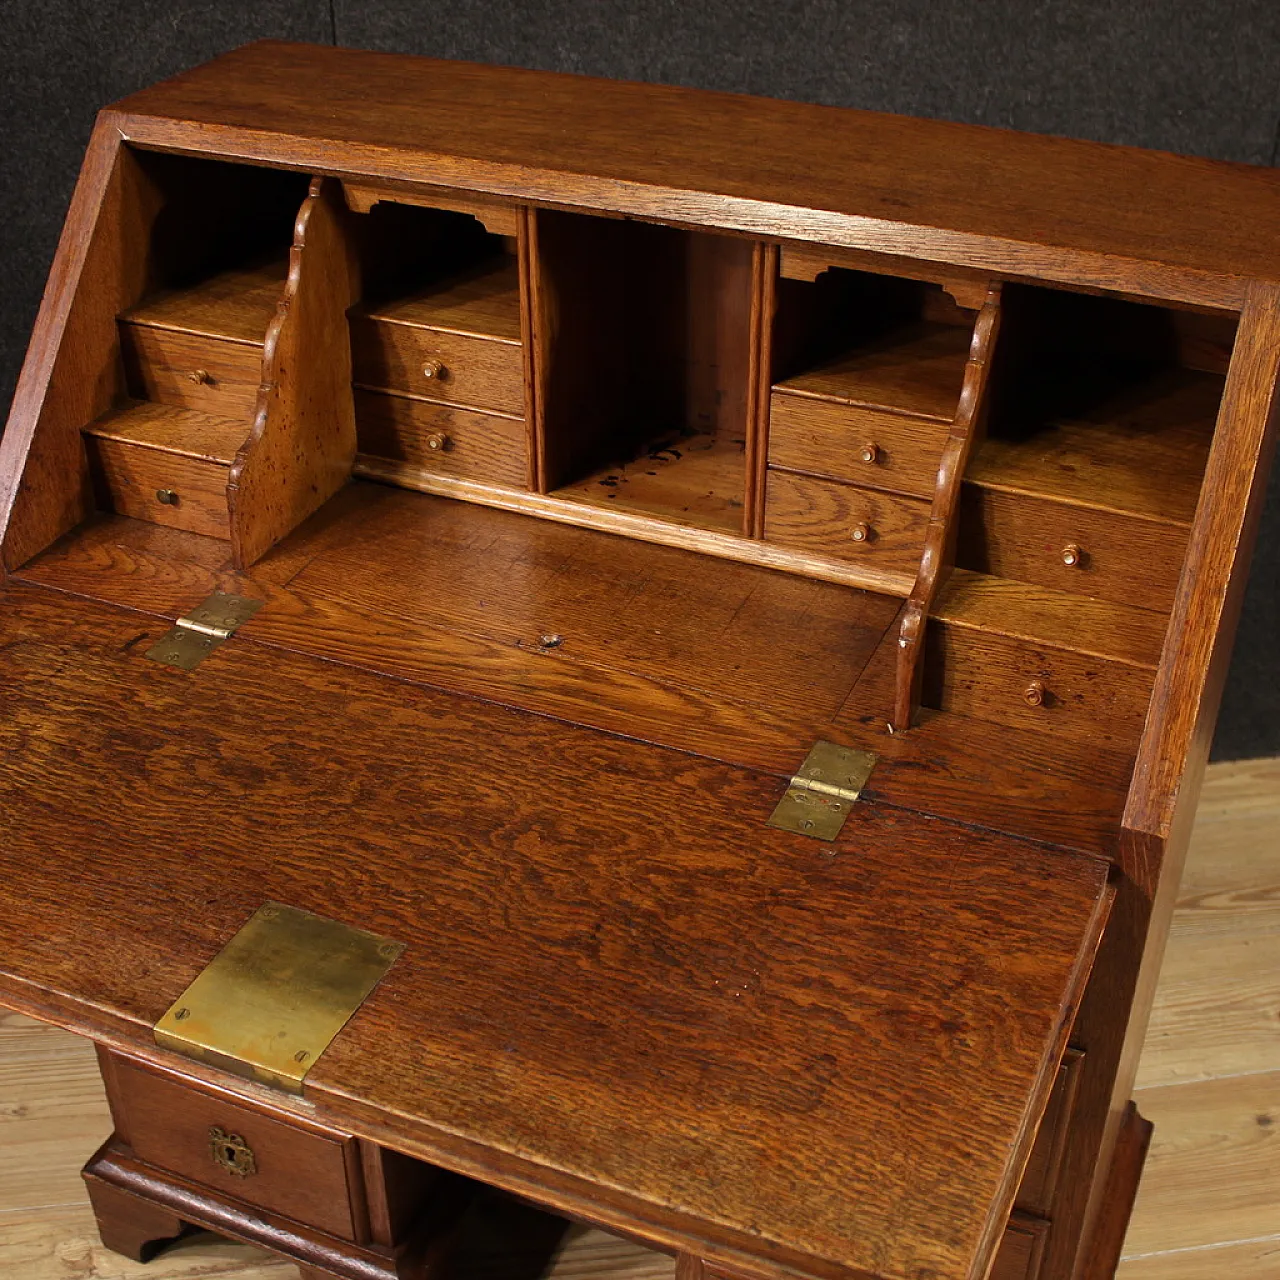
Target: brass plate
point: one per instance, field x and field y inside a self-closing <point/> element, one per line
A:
<point x="824" y="790"/>
<point x="197" y="635"/>
<point x="273" y="999"/>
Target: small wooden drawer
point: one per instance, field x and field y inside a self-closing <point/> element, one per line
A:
<point x="845" y="521"/>
<point x="193" y="371"/>
<point x="442" y="438"/>
<point x="1124" y="558"/>
<point x="1040" y="1178"/>
<point x="1033" y="686"/>
<point x="273" y="1161"/>
<point x="162" y="487"/>
<point x="863" y="446"/>
<point x="483" y="373"/>
<point x="1021" y="1252"/>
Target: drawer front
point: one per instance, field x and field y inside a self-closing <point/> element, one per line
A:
<point x="1029" y="686"/>
<point x="480" y="372"/>
<point x="823" y="517"/>
<point x="213" y="375"/>
<point x="130" y="477"/>
<point x="443" y="439"/>
<point x="1021" y="1251"/>
<point x="1114" y="557"/>
<point x="292" y="1167"/>
<point x="863" y="446"/>
<point x="1040" y="1178"/>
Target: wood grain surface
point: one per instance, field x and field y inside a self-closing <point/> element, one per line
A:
<point x="956" y="193"/>
<point x="770" y="1034"/>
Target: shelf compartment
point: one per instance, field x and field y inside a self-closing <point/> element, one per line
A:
<point x="1142" y="452"/>
<point x="164" y="464"/>
<point x="689" y="479"/>
<point x="845" y="521"/>
<point x="442" y="439"/>
<point x="861" y="446"/>
<point x="646" y="341"/>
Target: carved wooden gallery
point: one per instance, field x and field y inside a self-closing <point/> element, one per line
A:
<point x="641" y="653"/>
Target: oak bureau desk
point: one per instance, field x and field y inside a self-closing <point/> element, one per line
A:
<point x="645" y="650"/>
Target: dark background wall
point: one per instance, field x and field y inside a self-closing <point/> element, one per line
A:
<point x="1177" y="74"/>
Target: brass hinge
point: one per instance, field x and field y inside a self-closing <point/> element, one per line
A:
<point x="277" y="994"/>
<point x="823" y="791"/>
<point x="195" y="636"/>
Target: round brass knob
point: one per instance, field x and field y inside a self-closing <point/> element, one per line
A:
<point x="167" y="497"/>
<point x="861" y="532"/>
<point x="1072" y="555"/>
<point x="437" y="441"/>
<point x="433" y="369"/>
<point x="200" y="376"/>
<point x="1034" y="694"/>
<point x="870" y="452"/>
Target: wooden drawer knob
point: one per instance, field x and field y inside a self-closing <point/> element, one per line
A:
<point x="1035" y="694"/>
<point x="861" y="532"/>
<point x="433" y="369"/>
<point x="437" y="442"/>
<point x="167" y="497"/>
<point x="870" y="452"/>
<point x="1072" y="555"/>
<point x="201" y="377"/>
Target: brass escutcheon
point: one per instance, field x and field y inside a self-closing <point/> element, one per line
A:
<point x="231" y="1152"/>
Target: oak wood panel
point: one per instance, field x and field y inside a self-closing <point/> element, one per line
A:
<point x="1210" y="592"/>
<point x="1021" y="1250"/>
<point x="442" y="438"/>
<point x="827" y="439"/>
<point x="1124" y="559"/>
<point x="808" y="261"/>
<point x="483" y="302"/>
<point x="236" y="304"/>
<point x="474" y="372"/>
<point x="917" y="369"/>
<point x="303" y="441"/>
<point x="192" y="370"/>
<point x="433" y="864"/>
<point x="301" y="1169"/>
<point x="820" y="515"/>
<point x="1145" y="455"/>
<point x="950" y="765"/>
<point x="1024" y="611"/>
<point x="991" y="677"/>
<point x="132" y="475"/>
<point x="948" y="192"/>
<point x="170" y="430"/>
<point x="72" y="373"/>
<point x="1213" y="1166"/>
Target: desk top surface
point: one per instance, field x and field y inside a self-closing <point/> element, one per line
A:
<point x="998" y="199"/>
<point x="622" y="992"/>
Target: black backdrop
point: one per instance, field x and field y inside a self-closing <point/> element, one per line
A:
<point x="1177" y="74"/>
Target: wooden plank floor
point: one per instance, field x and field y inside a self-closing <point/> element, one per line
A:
<point x="1209" y="1207"/>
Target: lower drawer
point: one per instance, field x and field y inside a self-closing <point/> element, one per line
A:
<point x="1021" y="1251"/>
<point x="191" y="370"/>
<point x="845" y="521"/>
<point x="162" y="487"/>
<point x="284" y="1165"/>
<point x="1026" y="685"/>
<point x="1040" y="1177"/>
<point x="442" y="439"/>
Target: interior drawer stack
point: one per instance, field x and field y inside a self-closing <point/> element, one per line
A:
<point x="437" y="350"/>
<point x="856" y="435"/>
